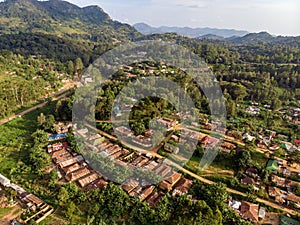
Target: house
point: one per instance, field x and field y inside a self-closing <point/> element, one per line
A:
<point x="209" y="141"/>
<point x="146" y="192"/>
<point x="175" y="138"/>
<point x="77" y="159"/>
<point x="252" y="172"/>
<point x="151" y="165"/>
<point x="277" y="194"/>
<point x="4" y="181"/>
<point x="171" y="148"/>
<point x="140" y="161"/>
<point x="173" y="178"/>
<point x="287" y="146"/>
<point x="182" y="187"/>
<point x="72" y="168"/>
<point x="262" y="213"/>
<point x="88" y="179"/>
<point x="98" y="184"/>
<point x="281" y="182"/>
<point x="235" y="204"/>
<point x="249" y="211"/>
<point x="248" y="181"/>
<point x="61" y="155"/>
<point x="294" y="199"/>
<point x="274" y="147"/>
<point x="248" y="137"/>
<point x="143" y="141"/>
<point x="31" y="201"/>
<point x="130" y="185"/>
<point x="154" y="199"/>
<point x="164" y="185"/>
<point x="78" y="174"/>
<point x="228" y="145"/>
<point x="272" y="166"/>
<point x="165" y="171"/>
<point x="124" y="131"/>
<point x="168" y="123"/>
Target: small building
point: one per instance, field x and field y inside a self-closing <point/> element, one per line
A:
<point x="87" y="180"/>
<point x="4" y="181"/>
<point x="146" y="192"/>
<point x="272" y="166"/>
<point x="250" y="211"/>
<point x="182" y="187"/>
<point x="164" y="185"/>
<point x="154" y="199"/>
<point x="130" y="185"/>
<point x="277" y="194"/>
<point x="252" y="172"/>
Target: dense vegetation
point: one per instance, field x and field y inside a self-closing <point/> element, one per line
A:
<point x="23" y="80"/>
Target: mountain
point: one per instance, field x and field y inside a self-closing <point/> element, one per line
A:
<point x="212" y="37"/>
<point x="264" y="38"/>
<point x="61" y="18"/>
<point x="31" y="27"/>
<point x="187" y="31"/>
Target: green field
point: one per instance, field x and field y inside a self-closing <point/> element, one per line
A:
<point x="4" y="211"/>
<point x="15" y="136"/>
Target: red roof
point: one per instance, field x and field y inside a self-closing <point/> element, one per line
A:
<point x="297" y="141"/>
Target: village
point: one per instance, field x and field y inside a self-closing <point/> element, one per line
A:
<point x="73" y="167"/>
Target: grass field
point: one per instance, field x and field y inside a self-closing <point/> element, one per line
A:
<point x="15" y="136"/>
<point x="4" y="212"/>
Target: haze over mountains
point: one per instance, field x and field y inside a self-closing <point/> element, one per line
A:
<point x="189" y="32"/>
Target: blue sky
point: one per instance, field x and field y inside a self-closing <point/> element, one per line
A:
<point x="280" y="17"/>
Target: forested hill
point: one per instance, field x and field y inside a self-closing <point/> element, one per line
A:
<point x="61" y="18"/>
<point x="59" y="30"/>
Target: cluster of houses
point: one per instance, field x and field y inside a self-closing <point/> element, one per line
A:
<point x="72" y="167"/>
<point x="253" y="110"/>
<point x="281" y="189"/>
<point x="248" y="211"/>
<point x="141" y="140"/>
<point x="39" y="209"/>
<point x="267" y="140"/>
<point x="145" y="140"/>
<point x="144" y="69"/>
<point x="294" y="114"/>
<point x="134" y="187"/>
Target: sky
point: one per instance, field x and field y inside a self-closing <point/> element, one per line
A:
<point x="278" y="17"/>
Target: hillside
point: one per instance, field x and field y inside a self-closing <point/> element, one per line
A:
<point x="31" y="27"/>
<point x="264" y="38"/>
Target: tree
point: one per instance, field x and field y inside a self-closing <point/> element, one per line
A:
<point x="40" y="138"/>
<point x="78" y="65"/>
<point x="243" y="158"/>
<point x="296" y="189"/>
<point x="70" y="68"/>
<point x="39" y="159"/>
<point x="41" y="119"/>
<point x="63" y="196"/>
<point x="70" y="211"/>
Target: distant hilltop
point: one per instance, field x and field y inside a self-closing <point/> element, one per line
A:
<point x="189" y="32"/>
